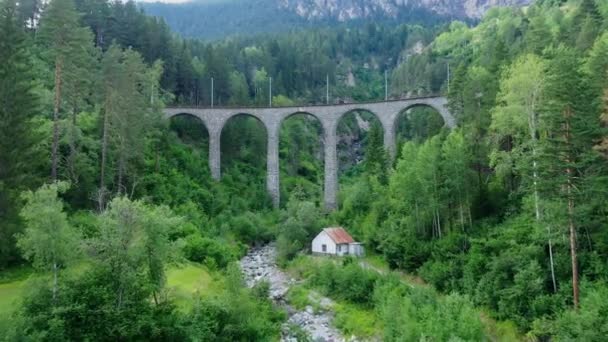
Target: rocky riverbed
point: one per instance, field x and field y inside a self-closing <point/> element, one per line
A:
<point x="259" y="264"/>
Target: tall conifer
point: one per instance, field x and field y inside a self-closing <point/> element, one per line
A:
<point x="18" y="104"/>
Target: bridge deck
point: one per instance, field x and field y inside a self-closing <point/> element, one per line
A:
<point x="314" y="105"/>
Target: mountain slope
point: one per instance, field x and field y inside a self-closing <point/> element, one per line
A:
<point x="344" y="10"/>
<point x="220" y="18"/>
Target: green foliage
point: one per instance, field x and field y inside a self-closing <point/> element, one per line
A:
<point x="300" y="222"/>
<point x="351" y="282"/>
<point x="484" y="210"/>
<point x="48" y="241"/>
<point x="211" y="252"/>
<point x="403" y="312"/>
<point x="588" y="323"/>
<point x="418" y="315"/>
<point x="298" y="296"/>
<point x="299" y="151"/>
<point x="19" y="155"/>
<point x="234" y="315"/>
<point x="354" y="320"/>
<point x="86" y="309"/>
<point x="376" y="159"/>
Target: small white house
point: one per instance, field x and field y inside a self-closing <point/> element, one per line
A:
<point x="336" y="241"/>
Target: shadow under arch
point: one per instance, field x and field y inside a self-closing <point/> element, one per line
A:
<point x="190" y="129"/>
<point x="301" y="156"/>
<point x="244" y="138"/>
<point x="417" y="123"/>
<point x="353" y="128"/>
<point x="243" y="148"/>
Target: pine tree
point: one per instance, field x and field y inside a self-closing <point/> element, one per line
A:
<point x="538" y="36"/>
<point x="586" y="24"/>
<point x="602" y="146"/>
<point x="571" y="128"/>
<point x="239" y="89"/>
<point x="375" y="161"/>
<point x="18" y="104"/>
<point x="131" y="113"/>
<point x="111" y="72"/>
<point x="69" y="48"/>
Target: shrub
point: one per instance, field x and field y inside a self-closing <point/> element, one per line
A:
<point x="234" y="315"/>
<point x="208" y="251"/>
<point x="588" y="323"/>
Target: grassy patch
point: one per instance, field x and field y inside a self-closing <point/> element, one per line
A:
<point x="186" y="281"/>
<point x="352" y="319"/>
<point x="183" y="282"/>
<point x="10" y="296"/>
<point x="298" y="296"/>
<point x="12" y="282"/>
<point x="15" y="274"/>
<point x="302" y="266"/>
<point x="377" y="262"/>
<point x="504" y="331"/>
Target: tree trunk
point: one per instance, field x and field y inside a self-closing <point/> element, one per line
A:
<point x="73" y="152"/>
<point x="573" y="257"/>
<point x="461" y="210"/>
<point x="55" y="270"/>
<point x="121" y="170"/>
<point x="104" y="149"/>
<point x="572" y="228"/>
<point x="538" y="219"/>
<point x="57" y="105"/>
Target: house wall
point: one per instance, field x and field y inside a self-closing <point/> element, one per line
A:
<point x="342" y="249"/>
<point x="323" y="239"/>
<point x="356" y="249"/>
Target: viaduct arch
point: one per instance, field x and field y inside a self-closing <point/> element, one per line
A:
<point x="329" y="116"/>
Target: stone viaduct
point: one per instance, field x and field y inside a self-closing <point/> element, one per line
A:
<point x="328" y="115"/>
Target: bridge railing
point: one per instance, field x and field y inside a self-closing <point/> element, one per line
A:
<point x="423" y="97"/>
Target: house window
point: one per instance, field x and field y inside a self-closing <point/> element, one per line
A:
<point x="324" y="248"/>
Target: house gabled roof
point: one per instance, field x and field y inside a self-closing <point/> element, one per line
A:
<point x="339" y="235"/>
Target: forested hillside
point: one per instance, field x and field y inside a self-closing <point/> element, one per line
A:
<point x="111" y="227"/>
<point x="213" y="20"/>
<point x="216" y="19"/>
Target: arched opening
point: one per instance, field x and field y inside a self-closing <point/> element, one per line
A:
<point x="181" y="161"/>
<point x="301" y="157"/>
<point x="356" y="130"/>
<point x="191" y="131"/>
<point x="243" y="144"/>
<point x="417" y="124"/>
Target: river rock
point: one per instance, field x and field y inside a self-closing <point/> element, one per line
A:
<point x="258" y="265"/>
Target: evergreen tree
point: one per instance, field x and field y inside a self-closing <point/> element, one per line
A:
<point x="572" y="128"/>
<point x="586" y="24"/>
<point x="375" y="160"/>
<point x="130" y="116"/>
<point x="603" y="144"/>
<point x="69" y="49"/>
<point x="238" y="89"/>
<point x="19" y="102"/>
<point x="111" y="72"/>
<point x="538" y="36"/>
